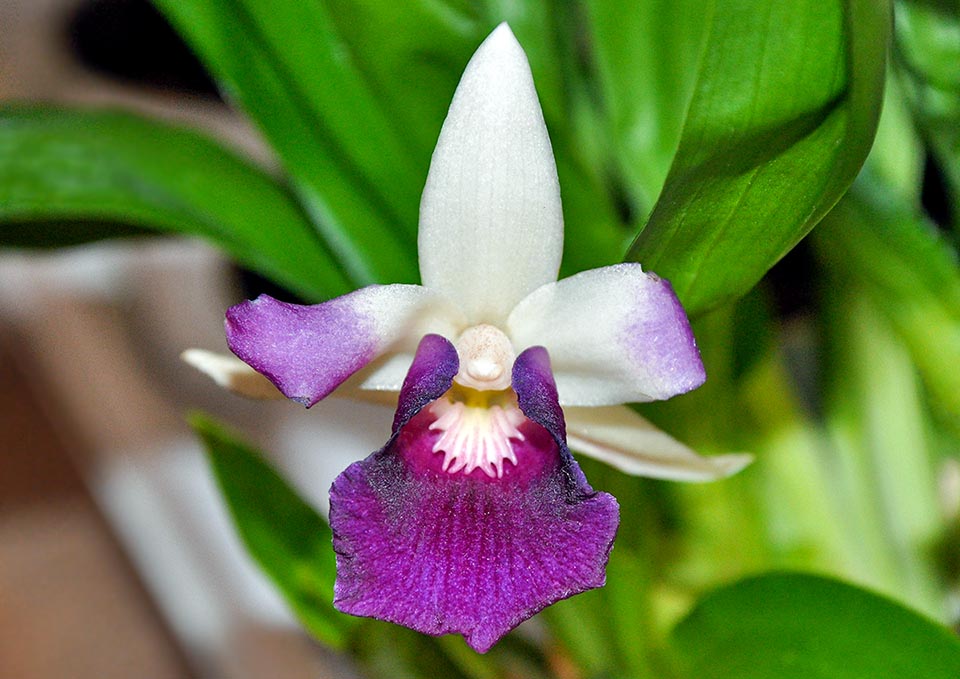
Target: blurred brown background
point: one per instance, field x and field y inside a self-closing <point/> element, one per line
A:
<point x="116" y="556"/>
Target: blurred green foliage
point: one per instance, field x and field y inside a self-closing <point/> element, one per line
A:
<point x="703" y="139"/>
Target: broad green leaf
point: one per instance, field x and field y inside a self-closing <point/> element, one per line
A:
<point x="287" y="66"/>
<point x="412" y="54"/>
<point x="928" y="56"/>
<point x="782" y="115"/>
<point x="796" y="626"/>
<point x="910" y="272"/>
<point x="286" y="536"/>
<point x="116" y="168"/>
<point x="646" y="56"/>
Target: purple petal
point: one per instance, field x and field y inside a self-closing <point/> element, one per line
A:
<point x="615" y="335"/>
<point x="537" y="397"/>
<point x="537" y="392"/>
<point x="430" y="375"/>
<point x="308" y="351"/>
<point x="467" y="553"/>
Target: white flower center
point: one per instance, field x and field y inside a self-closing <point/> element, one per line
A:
<point x="476" y="433"/>
<point x="486" y="358"/>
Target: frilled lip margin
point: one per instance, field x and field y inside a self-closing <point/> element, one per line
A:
<point x="466" y="553"/>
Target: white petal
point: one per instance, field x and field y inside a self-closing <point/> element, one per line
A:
<point x="232" y="374"/>
<point x="389" y="374"/>
<point x="351" y="390"/>
<point x="624" y="440"/>
<point x="615" y="335"/>
<point x="229" y="372"/>
<point x="491" y="225"/>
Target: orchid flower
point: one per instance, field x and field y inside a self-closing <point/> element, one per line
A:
<point x="474" y="515"/>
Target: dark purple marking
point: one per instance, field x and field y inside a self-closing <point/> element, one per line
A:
<point x="537" y="392"/>
<point x="430" y="375"/>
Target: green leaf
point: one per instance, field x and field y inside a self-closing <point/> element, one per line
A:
<point x="352" y="162"/>
<point x="795" y="626"/>
<point x="405" y="60"/>
<point x="286" y="536"/>
<point x="782" y="115"/>
<point x="897" y="156"/>
<point x="878" y="242"/>
<point x="101" y="169"/>
<point x="412" y="55"/>
<point x="645" y="56"/>
<point x="352" y="97"/>
<point x="927" y="54"/>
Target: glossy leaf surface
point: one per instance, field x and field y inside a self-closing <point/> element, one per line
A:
<point x="118" y="168"/>
<point x="782" y="115"/>
<point x="290" y="68"/>
<point x="645" y="55"/>
<point x="796" y="626"/>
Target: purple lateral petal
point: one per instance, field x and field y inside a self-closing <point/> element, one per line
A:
<point x="308" y="351"/>
<point x="467" y="553"/>
<point x="662" y="336"/>
<point x="615" y="335"/>
<point x="537" y="396"/>
<point x="430" y="375"/>
<point x="537" y="392"/>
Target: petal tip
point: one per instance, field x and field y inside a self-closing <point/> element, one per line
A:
<point x="305" y="401"/>
<point x="308" y="351"/>
<point x="236" y="313"/>
<point x="728" y="465"/>
<point x="230" y="373"/>
<point x="195" y="357"/>
<point x="615" y="335"/>
<point x="501" y="39"/>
